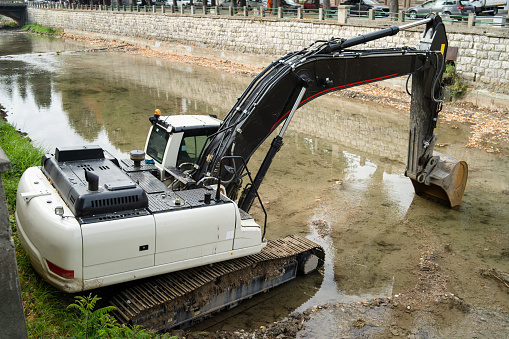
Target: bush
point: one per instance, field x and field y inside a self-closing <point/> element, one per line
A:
<point x="99" y="324"/>
<point x="11" y="24"/>
<point x="35" y="28"/>
<point x="450" y="78"/>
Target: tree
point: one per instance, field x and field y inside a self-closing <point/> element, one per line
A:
<point x="394" y="8"/>
<point x="326" y="7"/>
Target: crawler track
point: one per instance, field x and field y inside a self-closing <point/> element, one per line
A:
<point x="179" y="298"/>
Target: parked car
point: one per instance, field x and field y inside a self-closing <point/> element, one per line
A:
<point x="361" y="7"/>
<point x="310" y="4"/>
<point x="249" y="3"/>
<point x="290" y="4"/>
<point x="487" y="7"/>
<point x="453" y="8"/>
<point x="184" y="3"/>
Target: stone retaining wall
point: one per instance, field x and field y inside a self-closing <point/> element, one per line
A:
<point x="482" y="59"/>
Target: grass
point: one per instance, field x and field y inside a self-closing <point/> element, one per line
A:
<point x="22" y="155"/>
<point x="35" y="28"/>
<point x="10" y="24"/>
<point x="453" y="82"/>
<point x="45" y="313"/>
<point x="49" y="313"/>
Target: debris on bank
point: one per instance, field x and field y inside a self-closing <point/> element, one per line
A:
<point x="123" y="47"/>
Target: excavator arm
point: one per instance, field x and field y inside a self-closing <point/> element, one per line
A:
<point x="326" y="66"/>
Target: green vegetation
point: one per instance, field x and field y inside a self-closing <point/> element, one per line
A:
<point x="22" y="155"/>
<point x="11" y="24"/>
<point x="99" y="324"/>
<point x="450" y="78"/>
<point x="35" y="28"/>
<point x="359" y="323"/>
<point x="47" y="310"/>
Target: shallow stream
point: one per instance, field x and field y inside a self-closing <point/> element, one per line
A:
<point x="339" y="178"/>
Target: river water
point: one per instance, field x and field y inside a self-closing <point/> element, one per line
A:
<point x="337" y="180"/>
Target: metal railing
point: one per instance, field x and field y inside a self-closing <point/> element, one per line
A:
<point x="16" y="3"/>
<point x="342" y="14"/>
<point x="469" y="20"/>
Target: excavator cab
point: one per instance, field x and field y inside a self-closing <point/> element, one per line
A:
<point x="174" y="143"/>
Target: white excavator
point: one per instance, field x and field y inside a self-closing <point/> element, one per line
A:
<point x="172" y="213"/>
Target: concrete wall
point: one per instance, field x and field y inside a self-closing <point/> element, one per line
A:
<point x="482" y="61"/>
<point x="12" y="317"/>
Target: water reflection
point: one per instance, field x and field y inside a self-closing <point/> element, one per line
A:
<point x="358" y="167"/>
<point x="74" y="99"/>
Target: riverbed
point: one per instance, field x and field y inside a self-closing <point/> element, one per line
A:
<point x="338" y="180"/>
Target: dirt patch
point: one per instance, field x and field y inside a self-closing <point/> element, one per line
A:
<point x="321" y="227"/>
<point x="427" y="310"/>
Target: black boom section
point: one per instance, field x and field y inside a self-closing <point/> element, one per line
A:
<point x="328" y="75"/>
<point x="271" y="99"/>
<point x="321" y="68"/>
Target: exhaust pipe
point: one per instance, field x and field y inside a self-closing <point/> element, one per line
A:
<point x="93" y="181"/>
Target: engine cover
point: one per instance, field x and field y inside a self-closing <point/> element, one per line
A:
<point x="115" y="191"/>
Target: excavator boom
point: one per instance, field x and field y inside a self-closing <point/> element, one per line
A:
<point x="327" y="66"/>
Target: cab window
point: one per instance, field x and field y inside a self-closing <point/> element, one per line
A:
<point x="190" y="149"/>
<point x="157" y="143"/>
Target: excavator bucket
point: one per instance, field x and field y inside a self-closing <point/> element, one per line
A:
<point x="446" y="183"/>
